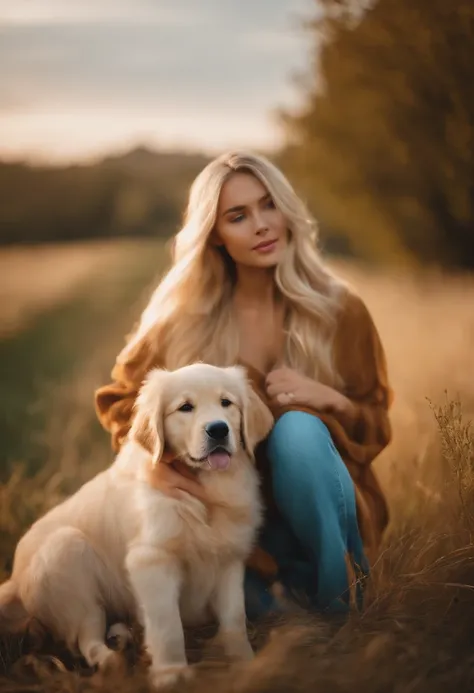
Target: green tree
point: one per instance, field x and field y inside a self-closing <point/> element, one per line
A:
<point x="383" y="147"/>
<point x="139" y="193"/>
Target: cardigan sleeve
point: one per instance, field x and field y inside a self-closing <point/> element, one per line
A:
<point x="114" y="401"/>
<point x="361" y="363"/>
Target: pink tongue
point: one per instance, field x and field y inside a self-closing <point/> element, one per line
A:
<point x="218" y="460"/>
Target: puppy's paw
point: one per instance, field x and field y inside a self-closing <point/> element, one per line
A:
<point x="111" y="668"/>
<point x="235" y="646"/>
<point x="168" y="676"/>
<point x="240" y="651"/>
<point x="112" y="665"/>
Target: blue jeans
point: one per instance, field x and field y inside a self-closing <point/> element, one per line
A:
<point x="315" y="540"/>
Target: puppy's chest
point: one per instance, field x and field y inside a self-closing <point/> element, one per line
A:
<point x="217" y="531"/>
<point x="190" y="530"/>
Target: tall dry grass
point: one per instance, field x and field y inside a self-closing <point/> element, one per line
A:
<point x="52" y="369"/>
<point x="415" y="632"/>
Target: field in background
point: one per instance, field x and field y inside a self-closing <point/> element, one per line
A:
<point x="34" y="279"/>
<point x="64" y="314"/>
<point x="66" y="341"/>
<point x="426" y="322"/>
<point x="51" y="365"/>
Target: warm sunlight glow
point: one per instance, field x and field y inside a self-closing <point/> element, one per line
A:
<point x="87" y="77"/>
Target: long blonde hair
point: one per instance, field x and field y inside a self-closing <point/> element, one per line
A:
<point x="189" y="316"/>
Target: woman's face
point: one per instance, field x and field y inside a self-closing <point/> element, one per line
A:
<point x="251" y="228"/>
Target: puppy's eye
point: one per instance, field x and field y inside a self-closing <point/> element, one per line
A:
<point x="226" y="402"/>
<point x="187" y="406"/>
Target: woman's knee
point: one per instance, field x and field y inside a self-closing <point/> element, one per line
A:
<point x="306" y="462"/>
<point x="300" y="444"/>
<point x="297" y="432"/>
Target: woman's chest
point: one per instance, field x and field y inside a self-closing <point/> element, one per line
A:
<point x="261" y="340"/>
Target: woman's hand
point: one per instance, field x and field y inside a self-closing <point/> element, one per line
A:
<point x="172" y="476"/>
<point x="286" y="386"/>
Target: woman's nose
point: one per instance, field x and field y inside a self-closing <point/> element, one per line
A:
<point x="260" y="223"/>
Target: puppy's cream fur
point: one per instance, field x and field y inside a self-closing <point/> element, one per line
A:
<point x="122" y="547"/>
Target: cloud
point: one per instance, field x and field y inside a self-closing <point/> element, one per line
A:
<point x="140" y="58"/>
<point x="48" y="12"/>
<point x="162" y="12"/>
<point x="65" y="64"/>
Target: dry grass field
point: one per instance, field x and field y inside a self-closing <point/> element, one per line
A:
<point x="415" y="633"/>
<point x="36" y="278"/>
<point x="426" y="322"/>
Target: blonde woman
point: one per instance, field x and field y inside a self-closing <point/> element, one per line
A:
<point x="247" y="285"/>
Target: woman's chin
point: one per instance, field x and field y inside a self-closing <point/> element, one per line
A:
<point x="263" y="262"/>
<point x="269" y="261"/>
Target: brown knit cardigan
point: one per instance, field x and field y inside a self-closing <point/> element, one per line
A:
<point x="360" y="360"/>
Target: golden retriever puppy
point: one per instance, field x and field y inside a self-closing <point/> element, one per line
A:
<point x="122" y="547"/>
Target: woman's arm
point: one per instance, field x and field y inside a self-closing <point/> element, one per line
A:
<point x="360" y="419"/>
<point x="114" y="402"/>
<point x="357" y="414"/>
<point x="114" y="405"/>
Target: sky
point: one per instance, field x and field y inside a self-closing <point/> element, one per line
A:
<point x="82" y="78"/>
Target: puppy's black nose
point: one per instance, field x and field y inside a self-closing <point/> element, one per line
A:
<point x="217" y="430"/>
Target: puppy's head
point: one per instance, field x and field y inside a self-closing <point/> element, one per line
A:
<point x="201" y="414"/>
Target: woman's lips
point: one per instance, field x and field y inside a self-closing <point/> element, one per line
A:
<point x="266" y="247"/>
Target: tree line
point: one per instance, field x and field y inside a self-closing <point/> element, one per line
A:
<point x="141" y="193"/>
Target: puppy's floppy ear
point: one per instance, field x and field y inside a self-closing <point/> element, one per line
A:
<point x="147" y="426"/>
<point x="257" y="419"/>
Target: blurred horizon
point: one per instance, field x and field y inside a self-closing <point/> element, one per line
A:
<point x="110" y="108"/>
<point x="86" y="79"/>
